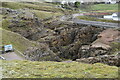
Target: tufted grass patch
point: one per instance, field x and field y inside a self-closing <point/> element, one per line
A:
<point x="47" y="69"/>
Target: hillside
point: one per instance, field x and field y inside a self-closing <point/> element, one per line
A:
<point x="25" y="46"/>
<point x="54" y="45"/>
<point x="66" y="40"/>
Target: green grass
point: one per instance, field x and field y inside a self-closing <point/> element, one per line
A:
<point x="104" y="7"/>
<point x="100" y="7"/>
<point x="18" y="42"/>
<point x="96" y="19"/>
<point x="47" y="69"/>
<point x="12" y="5"/>
<point x="41" y="6"/>
<point x="45" y="14"/>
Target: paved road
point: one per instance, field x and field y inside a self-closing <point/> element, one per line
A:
<point x="96" y="23"/>
<point x="72" y="18"/>
<point x="12" y="56"/>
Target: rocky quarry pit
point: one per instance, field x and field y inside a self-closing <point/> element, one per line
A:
<point x="60" y="41"/>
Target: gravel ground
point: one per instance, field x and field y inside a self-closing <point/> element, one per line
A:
<point x="12" y="56"/>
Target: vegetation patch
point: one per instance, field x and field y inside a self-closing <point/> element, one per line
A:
<point x="47" y="69"/>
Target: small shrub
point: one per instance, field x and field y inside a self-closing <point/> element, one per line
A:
<point x="77" y="4"/>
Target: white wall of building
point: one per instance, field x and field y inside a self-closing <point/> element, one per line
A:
<point x="114" y="16"/>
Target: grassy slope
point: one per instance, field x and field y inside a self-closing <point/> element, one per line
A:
<point x="12" y="5"/>
<point x="46" y="69"/>
<point x="28" y="69"/>
<point x="40" y="9"/>
<point x="40" y="6"/>
<point x="45" y="14"/>
<point x="18" y="42"/>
